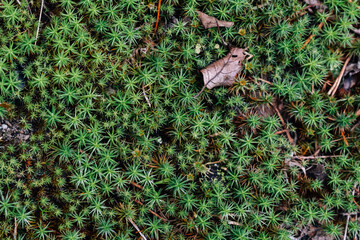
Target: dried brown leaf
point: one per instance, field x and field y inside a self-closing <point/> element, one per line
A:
<point x="223" y="71"/>
<point x="210" y="22"/>
<point x="351" y="75"/>
<point x="317" y="4"/>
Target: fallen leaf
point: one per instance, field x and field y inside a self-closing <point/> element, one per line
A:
<point x="351" y="75"/>
<point x="317" y="4"/>
<point x="223" y="71"/>
<point x="210" y="22"/>
<point x="316" y="171"/>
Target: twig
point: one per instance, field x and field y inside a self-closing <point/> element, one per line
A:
<point x="234" y="223"/>
<point x="336" y="84"/>
<point x="15" y="228"/>
<point x="284" y="124"/>
<point x="214" y="162"/>
<point x="158" y="16"/>
<point x="355" y="126"/>
<point x="260" y="6"/>
<point x="28" y="6"/>
<point x="136" y="185"/>
<point x="281" y="131"/>
<point x="222" y="39"/>
<point x="137" y="229"/>
<point x="215" y="134"/>
<point x="313" y="35"/>
<point x="265" y="81"/>
<point x="146" y="98"/>
<point x="18" y="2"/>
<point x="348" y="217"/>
<point x="315" y="157"/>
<point x="151" y="211"/>
<point x="343" y="135"/>
<point x="38" y="28"/>
<point x="357" y="113"/>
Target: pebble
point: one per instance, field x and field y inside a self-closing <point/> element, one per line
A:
<point x="4" y="126"/>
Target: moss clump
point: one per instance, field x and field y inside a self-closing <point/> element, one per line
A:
<point x="120" y="145"/>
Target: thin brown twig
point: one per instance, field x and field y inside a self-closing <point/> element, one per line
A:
<point x="357" y="113"/>
<point x="222" y="39"/>
<point x="15" y="228"/>
<point x="355" y="126"/>
<point x="260" y="6"/>
<point x="215" y="134"/>
<point x="313" y="35"/>
<point x="137" y="229"/>
<point x="284" y="124"/>
<point x="234" y="223"/>
<point x="38" y="28"/>
<point x="158" y="16"/>
<point x="136" y="185"/>
<point x="146" y="98"/>
<point x="343" y="135"/>
<point x="348" y="217"/>
<point x="151" y="211"/>
<point x="265" y="81"/>
<point x="28" y="6"/>
<point x="209" y="163"/>
<point x="336" y="84"/>
<point x="315" y="157"/>
<point x="281" y="131"/>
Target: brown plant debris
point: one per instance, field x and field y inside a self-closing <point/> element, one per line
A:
<point x="336" y="84"/>
<point x="223" y="71"/>
<point x="351" y="75"/>
<point x="210" y="22"/>
<point x="317" y="4"/>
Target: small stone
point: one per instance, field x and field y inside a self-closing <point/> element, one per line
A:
<point x="4" y="126"/>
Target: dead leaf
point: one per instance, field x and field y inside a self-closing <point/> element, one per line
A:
<point x="223" y="71"/>
<point x="351" y="75"/>
<point x="210" y="22"/>
<point x="317" y="4"/>
<point x="316" y="171"/>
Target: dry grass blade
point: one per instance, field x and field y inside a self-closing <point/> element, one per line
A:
<point x="336" y="84"/>
<point x="137" y="229"/>
<point x="38" y="28"/>
<point x="15" y="228"/>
